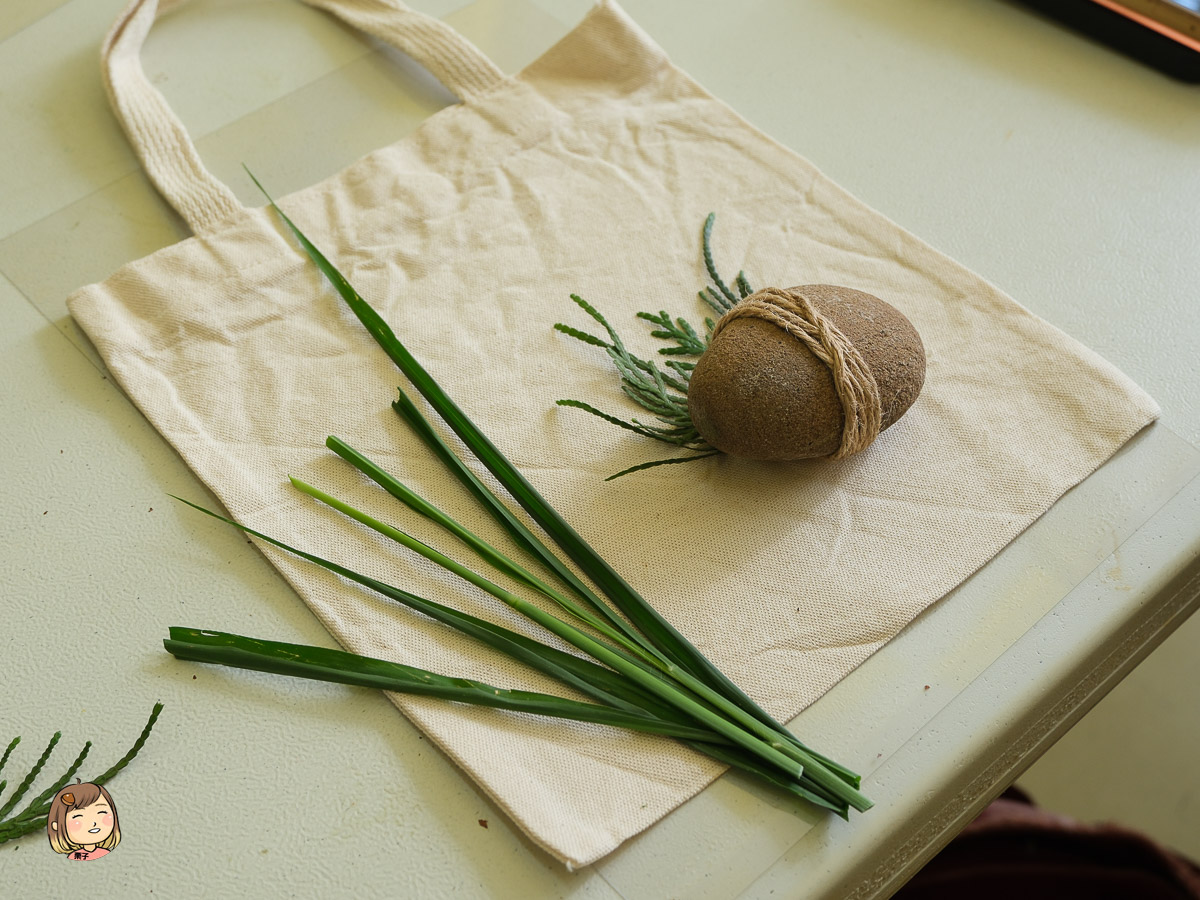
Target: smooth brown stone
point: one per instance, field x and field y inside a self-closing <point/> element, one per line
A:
<point x="757" y="392"/>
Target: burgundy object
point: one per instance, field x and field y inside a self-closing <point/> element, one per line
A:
<point x="1016" y="850"/>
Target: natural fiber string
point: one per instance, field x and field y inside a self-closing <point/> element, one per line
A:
<point x="852" y="378"/>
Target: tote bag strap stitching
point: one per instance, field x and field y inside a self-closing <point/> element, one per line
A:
<point x="452" y="59"/>
<point x="161" y="141"/>
<point x="156" y="134"/>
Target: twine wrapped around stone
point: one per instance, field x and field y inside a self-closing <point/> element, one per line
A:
<point x="791" y="311"/>
<point x="818" y="370"/>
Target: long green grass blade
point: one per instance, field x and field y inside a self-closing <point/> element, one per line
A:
<point x="585" y="676"/>
<point x="472" y="577"/>
<point x="620" y="632"/>
<point x="516" y="529"/>
<point x="338" y="666"/>
<point x="804" y="788"/>
<point x="657" y="629"/>
<point x="605" y="653"/>
<point x="634" y="670"/>
<point x="423" y="507"/>
<point x="711" y="700"/>
<point x="684" y="701"/>
<point x="348" y="668"/>
<point x="450" y="565"/>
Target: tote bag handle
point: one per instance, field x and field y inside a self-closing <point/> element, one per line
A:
<point x="161" y="141"/>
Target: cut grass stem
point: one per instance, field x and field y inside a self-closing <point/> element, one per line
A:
<point x="340" y="667"/>
<point x="772" y="749"/>
<point x="622" y="662"/>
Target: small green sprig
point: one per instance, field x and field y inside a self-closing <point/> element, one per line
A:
<point x="652" y="388"/>
<point x="33" y="817"/>
<point x="725" y="300"/>
<point x="688" y="343"/>
<point x="663" y="391"/>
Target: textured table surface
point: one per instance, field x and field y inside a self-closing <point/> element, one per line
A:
<point x="1064" y="173"/>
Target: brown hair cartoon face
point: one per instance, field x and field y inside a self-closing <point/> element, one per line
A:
<point x="83" y="822"/>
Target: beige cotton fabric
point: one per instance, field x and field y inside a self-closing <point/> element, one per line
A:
<point x="591" y="172"/>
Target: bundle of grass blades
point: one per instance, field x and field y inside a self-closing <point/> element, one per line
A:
<point x="638" y="671"/>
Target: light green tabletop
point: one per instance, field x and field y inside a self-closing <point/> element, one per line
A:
<point x="1060" y="171"/>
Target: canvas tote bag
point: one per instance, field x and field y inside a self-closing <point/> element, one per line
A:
<point x="590" y="171"/>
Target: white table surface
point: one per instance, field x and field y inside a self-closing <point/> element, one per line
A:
<point x="1060" y="171"/>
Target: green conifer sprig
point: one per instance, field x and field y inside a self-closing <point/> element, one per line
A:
<point x="663" y="394"/>
<point x="727" y="299"/>
<point x="33" y="817"/>
<point x="687" y="342"/>
<point x="33" y="773"/>
<point x="743" y="286"/>
<point x="663" y="391"/>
